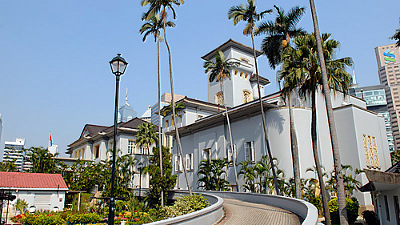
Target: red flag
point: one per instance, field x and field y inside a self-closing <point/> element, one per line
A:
<point x="51" y="141"/>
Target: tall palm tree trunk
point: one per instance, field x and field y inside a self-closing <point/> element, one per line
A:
<point x="295" y="149"/>
<point x="293" y="140"/>
<point x="271" y="161"/>
<point x="159" y="119"/>
<point x="230" y="135"/>
<point x="316" y="157"/>
<point x="178" y="141"/>
<point x="335" y="146"/>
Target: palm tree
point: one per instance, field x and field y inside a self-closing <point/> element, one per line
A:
<point x="332" y="128"/>
<point x="153" y="27"/>
<point x="218" y="70"/>
<point x="211" y="173"/>
<point x="278" y="37"/>
<point x="157" y="6"/>
<point x="249" y="14"/>
<point x="396" y="36"/>
<point x="146" y="136"/>
<point x="301" y="70"/>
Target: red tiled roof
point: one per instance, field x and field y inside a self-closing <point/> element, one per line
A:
<point x="31" y="180"/>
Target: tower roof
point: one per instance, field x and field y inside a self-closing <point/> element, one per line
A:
<point x="231" y="43"/>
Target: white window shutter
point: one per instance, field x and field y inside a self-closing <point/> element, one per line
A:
<point x="187" y="162"/>
<point x="253" y="157"/>
<point x="191" y="161"/>
<point x="245" y="151"/>
<point x="176" y="163"/>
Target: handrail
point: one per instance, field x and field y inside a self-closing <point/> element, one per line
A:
<point x="209" y="215"/>
<point x="305" y="210"/>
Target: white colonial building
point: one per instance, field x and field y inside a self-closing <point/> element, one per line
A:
<point x="361" y="133"/>
<point x="96" y="143"/>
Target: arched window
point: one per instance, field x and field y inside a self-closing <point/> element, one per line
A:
<point x="241" y="74"/>
<point x="219" y="98"/>
<point x="246" y="76"/>
<point x="246" y="96"/>
<point x="236" y="73"/>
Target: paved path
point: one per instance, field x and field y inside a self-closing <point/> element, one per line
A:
<point x="246" y="213"/>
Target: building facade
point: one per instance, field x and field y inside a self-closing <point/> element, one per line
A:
<point x="388" y="59"/>
<point x="362" y="145"/>
<point x="14" y="151"/>
<point x="96" y="143"/>
<point x="375" y="98"/>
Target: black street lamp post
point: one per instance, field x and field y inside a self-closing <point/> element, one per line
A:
<point x="118" y="67"/>
<point x="140" y="165"/>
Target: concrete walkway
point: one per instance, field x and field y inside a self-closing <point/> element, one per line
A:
<point x="239" y="212"/>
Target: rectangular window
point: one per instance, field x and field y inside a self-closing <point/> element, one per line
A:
<point x="230" y="153"/>
<point x="189" y="162"/>
<point x="207" y="154"/>
<point x="179" y="119"/>
<point x="75" y="154"/>
<point x="249" y="151"/>
<point x="96" y="151"/>
<point x="387" y="208"/>
<point x="371" y="152"/>
<point x="178" y="163"/>
<point x="131" y="146"/>
<point x="166" y="123"/>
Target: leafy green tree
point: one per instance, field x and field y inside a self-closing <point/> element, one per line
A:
<point x="85" y="175"/>
<point x="124" y="173"/>
<point x="396" y="36"/>
<point x="42" y="160"/>
<point x="212" y="174"/>
<point x="349" y="180"/>
<point x="8" y="166"/>
<point x="21" y="205"/>
<point x="153" y="27"/>
<point x="395" y="156"/>
<point x="161" y="6"/>
<point x="160" y="184"/>
<point x="218" y="70"/>
<point x="146" y="136"/>
<point x="249" y="175"/>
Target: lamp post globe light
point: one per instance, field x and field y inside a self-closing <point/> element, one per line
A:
<point x="118" y="67"/>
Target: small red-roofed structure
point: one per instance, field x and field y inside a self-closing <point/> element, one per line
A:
<point x="41" y="191"/>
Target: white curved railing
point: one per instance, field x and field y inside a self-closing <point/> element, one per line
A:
<point x="306" y="211"/>
<point x="209" y="215"/>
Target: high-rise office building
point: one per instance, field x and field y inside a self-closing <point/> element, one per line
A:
<point x="1" y="126"/>
<point x="388" y="58"/>
<point x="375" y="97"/>
<point x="14" y="150"/>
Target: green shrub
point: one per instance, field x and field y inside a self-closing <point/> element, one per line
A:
<point x="40" y="219"/>
<point x="83" y="218"/>
<point x="185" y="205"/>
<point x="352" y="207"/>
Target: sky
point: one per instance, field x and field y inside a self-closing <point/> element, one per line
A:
<point x="54" y="56"/>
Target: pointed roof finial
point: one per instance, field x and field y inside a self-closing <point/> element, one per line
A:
<point x="126" y="97"/>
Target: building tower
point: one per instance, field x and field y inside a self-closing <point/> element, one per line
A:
<point x="242" y="87"/>
<point x="388" y="58"/>
<point x="126" y="112"/>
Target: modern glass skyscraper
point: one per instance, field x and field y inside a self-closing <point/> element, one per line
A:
<point x="375" y="97"/>
<point x="388" y="58"/>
